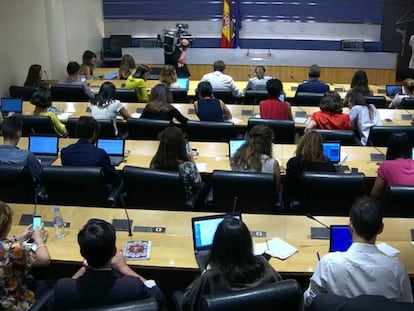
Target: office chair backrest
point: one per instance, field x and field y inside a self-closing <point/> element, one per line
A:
<point x="126" y="95"/>
<point x="179" y="95"/>
<point x="399" y="200"/>
<point x="149" y="304"/>
<point x="285" y="295"/>
<point x="106" y="129"/>
<point x="225" y="95"/>
<point x="307" y="99"/>
<point x="75" y="185"/>
<point x="209" y="131"/>
<point x="377" y="101"/>
<point x="68" y="92"/>
<point x="155" y="73"/>
<point x="284" y="130"/>
<point x="380" y="135"/>
<point x="330" y="193"/>
<point x="347" y="138"/>
<point x="153" y="189"/>
<point x="24" y="92"/>
<point x="16" y="184"/>
<point x="117" y="42"/>
<point x="253" y="97"/>
<point x="147" y="129"/>
<point x="36" y="125"/>
<point x="71" y="127"/>
<point x="407" y="103"/>
<point x="255" y="192"/>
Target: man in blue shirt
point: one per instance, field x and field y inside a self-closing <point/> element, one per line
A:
<point x="11" y="154"/>
<point x="85" y="153"/>
<point x="313" y="85"/>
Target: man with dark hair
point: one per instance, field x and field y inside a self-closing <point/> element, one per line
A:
<point x="84" y="152"/>
<point x="73" y="78"/>
<point x="313" y="84"/>
<point x="258" y="82"/>
<point x="362" y="269"/>
<point x="11" y="154"/>
<point x="106" y="279"/>
<point x="219" y="80"/>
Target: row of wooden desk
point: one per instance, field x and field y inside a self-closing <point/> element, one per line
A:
<point x="173" y="250"/>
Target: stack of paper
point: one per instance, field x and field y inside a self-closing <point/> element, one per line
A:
<point x="275" y="247"/>
<point x="388" y="249"/>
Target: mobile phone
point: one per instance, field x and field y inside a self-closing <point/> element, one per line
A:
<point x="37" y="221"/>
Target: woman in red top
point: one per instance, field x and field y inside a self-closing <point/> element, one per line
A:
<point x="330" y="117"/>
<point x="273" y="108"/>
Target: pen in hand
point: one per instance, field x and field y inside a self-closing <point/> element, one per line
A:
<point x="319" y="257"/>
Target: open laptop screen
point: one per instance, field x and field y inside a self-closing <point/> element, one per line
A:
<point x="113" y="147"/>
<point x="234" y="145"/>
<point x="184" y="83"/>
<point x="340" y="238"/>
<point x="333" y="151"/>
<point x="11" y="105"/>
<point x="391" y="90"/>
<point x="44" y="145"/>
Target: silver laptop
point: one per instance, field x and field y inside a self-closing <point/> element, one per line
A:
<point x="184" y="83"/>
<point x="234" y="145"/>
<point x="115" y="148"/>
<point x="45" y="148"/>
<point x="204" y="228"/>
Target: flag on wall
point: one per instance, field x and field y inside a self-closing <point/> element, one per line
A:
<point x="226" y="27"/>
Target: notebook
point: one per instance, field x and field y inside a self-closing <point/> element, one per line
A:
<point x="340" y="238"/>
<point x="11" y="105"/>
<point x="333" y="151"/>
<point x="234" y="145"/>
<point x="115" y="148"/>
<point x="393" y="89"/>
<point x="184" y="83"/>
<point x="45" y="148"/>
<point x="204" y="228"/>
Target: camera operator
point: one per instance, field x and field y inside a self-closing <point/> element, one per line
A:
<point x="178" y="58"/>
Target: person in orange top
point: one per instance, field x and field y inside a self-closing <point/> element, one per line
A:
<point x="330" y="117"/>
<point x="274" y="108"/>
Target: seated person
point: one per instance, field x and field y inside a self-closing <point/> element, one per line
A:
<point x="231" y="267"/>
<point x="9" y="152"/>
<point x="256" y="154"/>
<point x="126" y="67"/>
<point x="106" y="279"/>
<point x="106" y="107"/>
<point x="359" y="84"/>
<point x="330" y="117"/>
<point x="88" y="64"/>
<point x="43" y="101"/>
<point x="159" y="106"/>
<point x="313" y="85"/>
<point x="398" y="167"/>
<point x="258" y="82"/>
<point x="85" y="153"/>
<point x="74" y="79"/>
<point x="219" y="80"/>
<point x="19" y="291"/>
<point x="274" y="108"/>
<point x="168" y="76"/>
<point x="173" y="156"/>
<point x="209" y="108"/>
<point x="408" y="85"/>
<point x="137" y="81"/>
<point x="362" y="269"/>
<point x="34" y="78"/>
<point x="309" y="157"/>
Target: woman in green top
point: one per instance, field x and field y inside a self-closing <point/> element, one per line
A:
<point x="137" y="81"/>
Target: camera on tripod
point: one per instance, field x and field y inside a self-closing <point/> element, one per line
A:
<point x="170" y="39"/>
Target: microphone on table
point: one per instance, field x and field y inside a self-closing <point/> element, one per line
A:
<point x="235" y="203"/>
<point x="45" y="72"/>
<point x="309" y="215"/>
<point x="338" y="88"/>
<point x="122" y="199"/>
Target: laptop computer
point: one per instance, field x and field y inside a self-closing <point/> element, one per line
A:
<point x="340" y="238"/>
<point x="333" y="151"/>
<point x="115" y="148"/>
<point x="111" y="75"/>
<point x="392" y="89"/>
<point x="184" y="83"/>
<point x="204" y="228"/>
<point x="45" y="148"/>
<point x="234" y="145"/>
<point x="11" y="105"/>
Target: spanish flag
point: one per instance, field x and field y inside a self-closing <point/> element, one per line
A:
<point x="226" y="31"/>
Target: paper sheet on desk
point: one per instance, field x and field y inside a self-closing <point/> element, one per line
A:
<point x="136" y="115"/>
<point x="63" y="116"/>
<point x="236" y="120"/>
<point x="275" y="247"/>
<point x="201" y="167"/>
<point x="301" y="120"/>
<point x="387" y="249"/>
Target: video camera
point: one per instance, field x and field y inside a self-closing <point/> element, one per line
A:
<point x="170" y="39"/>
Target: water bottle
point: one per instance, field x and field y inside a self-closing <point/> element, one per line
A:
<point x="59" y="223"/>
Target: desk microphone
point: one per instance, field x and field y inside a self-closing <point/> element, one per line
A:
<point x="235" y="203"/>
<point x="45" y="72"/>
<point x="309" y="215"/>
<point x="293" y="78"/>
<point x="122" y="199"/>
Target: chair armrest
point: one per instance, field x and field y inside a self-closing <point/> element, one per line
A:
<point x="197" y="199"/>
<point x="114" y="196"/>
<point x="43" y="302"/>
<point x="177" y="298"/>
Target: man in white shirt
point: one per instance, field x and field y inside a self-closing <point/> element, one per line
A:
<point x="258" y="82"/>
<point x="362" y="269"/>
<point x="219" y="80"/>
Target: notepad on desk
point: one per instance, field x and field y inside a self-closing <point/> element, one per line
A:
<point x="236" y="120"/>
<point x="201" y="167"/>
<point x="301" y="120"/>
<point x="387" y="249"/>
<point x="63" y="116"/>
<point x="136" y="115"/>
<point x="275" y="247"/>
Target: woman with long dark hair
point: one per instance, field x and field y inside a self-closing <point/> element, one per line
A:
<point x="34" y="77"/>
<point x="88" y="64"/>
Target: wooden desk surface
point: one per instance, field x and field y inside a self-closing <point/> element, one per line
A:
<point x="174" y="250"/>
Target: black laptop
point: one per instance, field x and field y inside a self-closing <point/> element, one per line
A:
<point x="11" y="105"/>
<point x="234" y="145"/>
<point x="45" y="148"/>
<point x="340" y="238"/>
<point x="115" y="148"/>
<point x="392" y="89"/>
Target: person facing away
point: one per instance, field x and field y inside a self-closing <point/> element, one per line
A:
<point x="18" y="289"/>
<point x="313" y="84"/>
<point x="398" y="167"/>
<point x="10" y="154"/>
<point x="137" y="81"/>
<point x="126" y="67"/>
<point x="88" y="64"/>
<point x="42" y="102"/>
<point x="220" y="80"/>
<point x="106" y="278"/>
<point x="159" y="106"/>
<point x="173" y="156"/>
<point x="330" y="117"/>
<point x="168" y="76"/>
<point x="273" y="107"/>
<point x="85" y="153"/>
<point x="178" y="58"/>
<point x="209" y="108"/>
<point x="34" y="77"/>
<point x="231" y="265"/>
<point x="258" y="82"/>
<point x="106" y="107"/>
<point x="359" y="83"/>
<point x="408" y="86"/>
<point x="256" y="154"/>
<point x="363" y="115"/>
<point x="73" y="69"/>
<point x="362" y="269"/>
